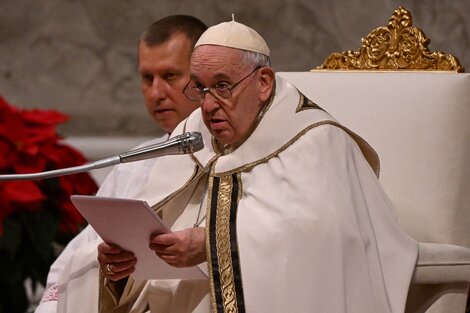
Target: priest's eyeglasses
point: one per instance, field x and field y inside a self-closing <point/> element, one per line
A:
<point x="221" y="90"/>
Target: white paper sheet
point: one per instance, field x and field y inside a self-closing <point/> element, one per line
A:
<point x="129" y="224"/>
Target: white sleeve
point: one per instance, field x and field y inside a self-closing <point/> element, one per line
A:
<point x="48" y="302"/>
<point x="121" y="182"/>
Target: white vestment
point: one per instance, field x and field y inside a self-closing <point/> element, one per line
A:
<point x="296" y="218"/>
<point x="77" y="262"/>
<point x="296" y="221"/>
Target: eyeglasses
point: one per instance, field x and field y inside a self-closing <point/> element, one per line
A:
<point x="222" y="90"/>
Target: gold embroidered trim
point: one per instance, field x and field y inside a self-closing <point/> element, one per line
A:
<point x="210" y="187"/>
<point x="100" y="291"/>
<point x="397" y="46"/>
<point x="105" y="295"/>
<point x="193" y="157"/>
<point x="373" y="159"/>
<point x="240" y="188"/>
<point x="306" y="105"/>
<point x="195" y="175"/>
<point x="223" y="244"/>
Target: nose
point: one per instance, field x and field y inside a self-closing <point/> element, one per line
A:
<point x="209" y="103"/>
<point x="158" y="89"/>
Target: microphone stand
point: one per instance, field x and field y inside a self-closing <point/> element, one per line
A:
<point x="182" y="144"/>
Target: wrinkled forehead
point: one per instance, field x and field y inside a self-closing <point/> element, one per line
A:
<point x="208" y="59"/>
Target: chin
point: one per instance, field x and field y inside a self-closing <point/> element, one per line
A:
<point x="224" y="140"/>
<point x="224" y="137"/>
<point x="167" y="128"/>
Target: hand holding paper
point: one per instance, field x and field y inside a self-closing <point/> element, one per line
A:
<point x="182" y="248"/>
<point x="121" y="262"/>
<point x="130" y="224"/>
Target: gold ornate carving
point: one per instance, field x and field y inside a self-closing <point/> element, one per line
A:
<point x="397" y="46"/>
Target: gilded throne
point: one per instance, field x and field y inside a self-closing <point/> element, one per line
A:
<point x="412" y="105"/>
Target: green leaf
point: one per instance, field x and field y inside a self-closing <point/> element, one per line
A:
<point x="13" y="298"/>
<point x="12" y="236"/>
<point x="11" y="268"/>
<point x="41" y="229"/>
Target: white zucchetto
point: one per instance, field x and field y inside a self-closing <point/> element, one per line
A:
<point x="234" y="35"/>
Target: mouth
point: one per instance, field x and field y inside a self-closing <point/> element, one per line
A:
<point x="163" y="112"/>
<point x="217" y="124"/>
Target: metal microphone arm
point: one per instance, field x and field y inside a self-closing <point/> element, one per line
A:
<point x="65" y="171"/>
<point x="182" y="144"/>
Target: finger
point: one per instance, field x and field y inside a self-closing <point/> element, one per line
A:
<point x="157" y="247"/>
<point x="161" y="254"/>
<point x="122" y="266"/>
<point x="104" y="259"/>
<point x="174" y="261"/>
<point x="121" y="257"/>
<point x="109" y="248"/>
<point x="109" y="254"/>
<point x="170" y="259"/>
<point x="120" y="275"/>
<point x="163" y="239"/>
<point x="169" y="250"/>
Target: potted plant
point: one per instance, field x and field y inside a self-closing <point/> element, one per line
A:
<point x="35" y="216"/>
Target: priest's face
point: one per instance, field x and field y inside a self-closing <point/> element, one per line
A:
<point x="164" y="71"/>
<point x="230" y="120"/>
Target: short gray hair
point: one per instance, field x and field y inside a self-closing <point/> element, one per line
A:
<point x="254" y="58"/>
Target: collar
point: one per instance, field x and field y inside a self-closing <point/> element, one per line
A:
<point x="280" y="125"/>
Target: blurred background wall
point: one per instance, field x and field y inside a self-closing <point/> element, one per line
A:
<point x="80" y="56"/>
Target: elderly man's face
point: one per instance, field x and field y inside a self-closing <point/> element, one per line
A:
<point x="228" y="120"/>
<point x="164" y="70"/>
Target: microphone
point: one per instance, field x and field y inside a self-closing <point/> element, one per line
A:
<point x="189" y="142"/>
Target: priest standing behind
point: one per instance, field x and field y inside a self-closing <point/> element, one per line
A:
<point x="282" y="208"/>
<point x="164" y="54"/>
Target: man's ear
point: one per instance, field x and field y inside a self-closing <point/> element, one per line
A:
<point x="266" y="80"/>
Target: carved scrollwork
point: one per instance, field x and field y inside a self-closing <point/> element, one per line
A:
<point x="397" y="46"/>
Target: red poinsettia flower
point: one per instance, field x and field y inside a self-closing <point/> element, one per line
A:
<point x="73" y="184"/>
<point x="7" y="154"/>
<point x="35" y="214"/>
<point x="60" y="155"/>
<point x="70" y="219"/>
<point x="44" y="117"/>
<point x="22" y="192"/>
<point x="29" y="143"/>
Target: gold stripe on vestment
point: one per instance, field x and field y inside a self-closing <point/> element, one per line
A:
<point x="224" y="245"/>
